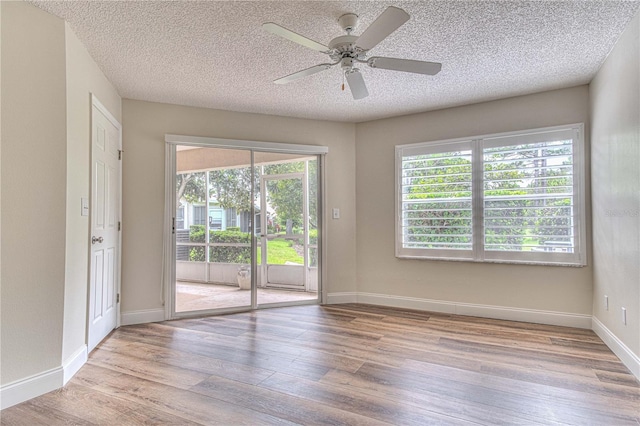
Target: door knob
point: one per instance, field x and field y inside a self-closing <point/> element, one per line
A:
<point x="96" y="240"/>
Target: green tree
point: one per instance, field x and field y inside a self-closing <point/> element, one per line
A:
<point x="437" y="190"/>
<point x="439" y="197"/>
<point x="504" y="182"/>
<point x="232" y="187"/>
<point x="537" y="186"/>
<point x="527" y="197"/>
<point x="286" y="195"/>
<point x="555" y="185"/>
<point x="191" y="187"/>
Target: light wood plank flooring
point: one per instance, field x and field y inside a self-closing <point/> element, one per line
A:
<point x="343" y="364"/>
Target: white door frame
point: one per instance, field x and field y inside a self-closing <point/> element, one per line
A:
<point x="111" y="118"/>
<point x="169" y="241"/>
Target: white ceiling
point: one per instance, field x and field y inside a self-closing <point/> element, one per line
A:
<point x="215" y="54"/>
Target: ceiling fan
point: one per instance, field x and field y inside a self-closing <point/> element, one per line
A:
<point x="349" y="50"/>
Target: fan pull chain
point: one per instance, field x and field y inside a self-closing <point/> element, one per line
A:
<point x="343" y="82"/>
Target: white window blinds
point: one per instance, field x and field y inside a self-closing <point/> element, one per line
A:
<point x="437" y="199"/>
<point x="505" y="198"/>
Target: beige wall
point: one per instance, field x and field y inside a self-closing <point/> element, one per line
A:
<point x="33" y="190"/>
<point x="47" y="78"/>
<point x="83" y="78"/>
<point x="560" y="289"/>
<point x="144" y="127"/>
<point x="615" y="118"/>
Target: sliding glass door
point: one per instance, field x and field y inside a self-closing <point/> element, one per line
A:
<point x="213" y="228"/>
<point x="245" y="229"/>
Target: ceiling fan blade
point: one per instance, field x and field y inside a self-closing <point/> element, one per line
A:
<point x="294" y="37"/>
<point x="356" y="84"/>
<point x="406" y="65"/>
<point x="389" y="21"/>
<point x="296" y="75"/>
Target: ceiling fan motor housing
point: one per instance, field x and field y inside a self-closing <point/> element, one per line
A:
<point x="343" y="46"/>
<point x="346" y="43"/>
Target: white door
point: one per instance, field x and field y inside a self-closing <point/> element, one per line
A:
<point x="105" y="217"/>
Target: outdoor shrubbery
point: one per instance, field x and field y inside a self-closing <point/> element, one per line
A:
<point x="196" y="234"/>
<point x="230" y="254"/>
<point x="220" y="254"/>
<point x="280" y="250"/>
<point x="196" y="254"/>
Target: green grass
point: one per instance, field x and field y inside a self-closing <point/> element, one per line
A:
<point x="280" y="251"/>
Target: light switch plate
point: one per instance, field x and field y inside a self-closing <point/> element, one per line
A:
<point x="84" y="202"/>
<point x="336" y="213"/>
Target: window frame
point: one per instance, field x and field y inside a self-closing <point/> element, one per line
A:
<point x="477" y="144"/>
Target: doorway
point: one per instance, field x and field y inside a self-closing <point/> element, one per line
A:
<point x="244" y="227"/>
<point x="105" y="211"/>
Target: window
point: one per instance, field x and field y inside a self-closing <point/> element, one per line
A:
<point x="199" y="215"/>
<point x="232" y="217"/>
<point x="514" y="197"/>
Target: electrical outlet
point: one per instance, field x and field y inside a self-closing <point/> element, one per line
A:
<point x="624" y="316"/>
<point x="606" y="302"/>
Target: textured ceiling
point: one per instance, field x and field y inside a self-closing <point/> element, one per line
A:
<point x="215" y="53"/>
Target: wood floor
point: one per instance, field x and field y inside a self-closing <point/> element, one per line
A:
<point x="343" y="364"/>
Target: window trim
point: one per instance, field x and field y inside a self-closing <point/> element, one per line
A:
<point x="478" y="254"/>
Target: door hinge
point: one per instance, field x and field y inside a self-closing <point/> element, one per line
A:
<point x="118" y="298"/>
<point x="120" y="151"/>
<point x="173" y="226"/>
<point x="119" y="226"/>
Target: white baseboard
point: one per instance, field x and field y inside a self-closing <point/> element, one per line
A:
<point x="335" y="298"/>
<point x="628" y="358"/>
<point x="71" y="366"/>
<point x="39" y="384"/>
<point x="469" y="309"/>
<point x="408" y="302"/>
<point x="142" y="317"/>
<point x="30" y="387"/>
<point x="564" y="319"/>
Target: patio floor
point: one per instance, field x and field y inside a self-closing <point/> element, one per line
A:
<point x="192" y="296"/>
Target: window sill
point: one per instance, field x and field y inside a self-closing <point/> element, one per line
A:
<point x="492" y="261"/>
